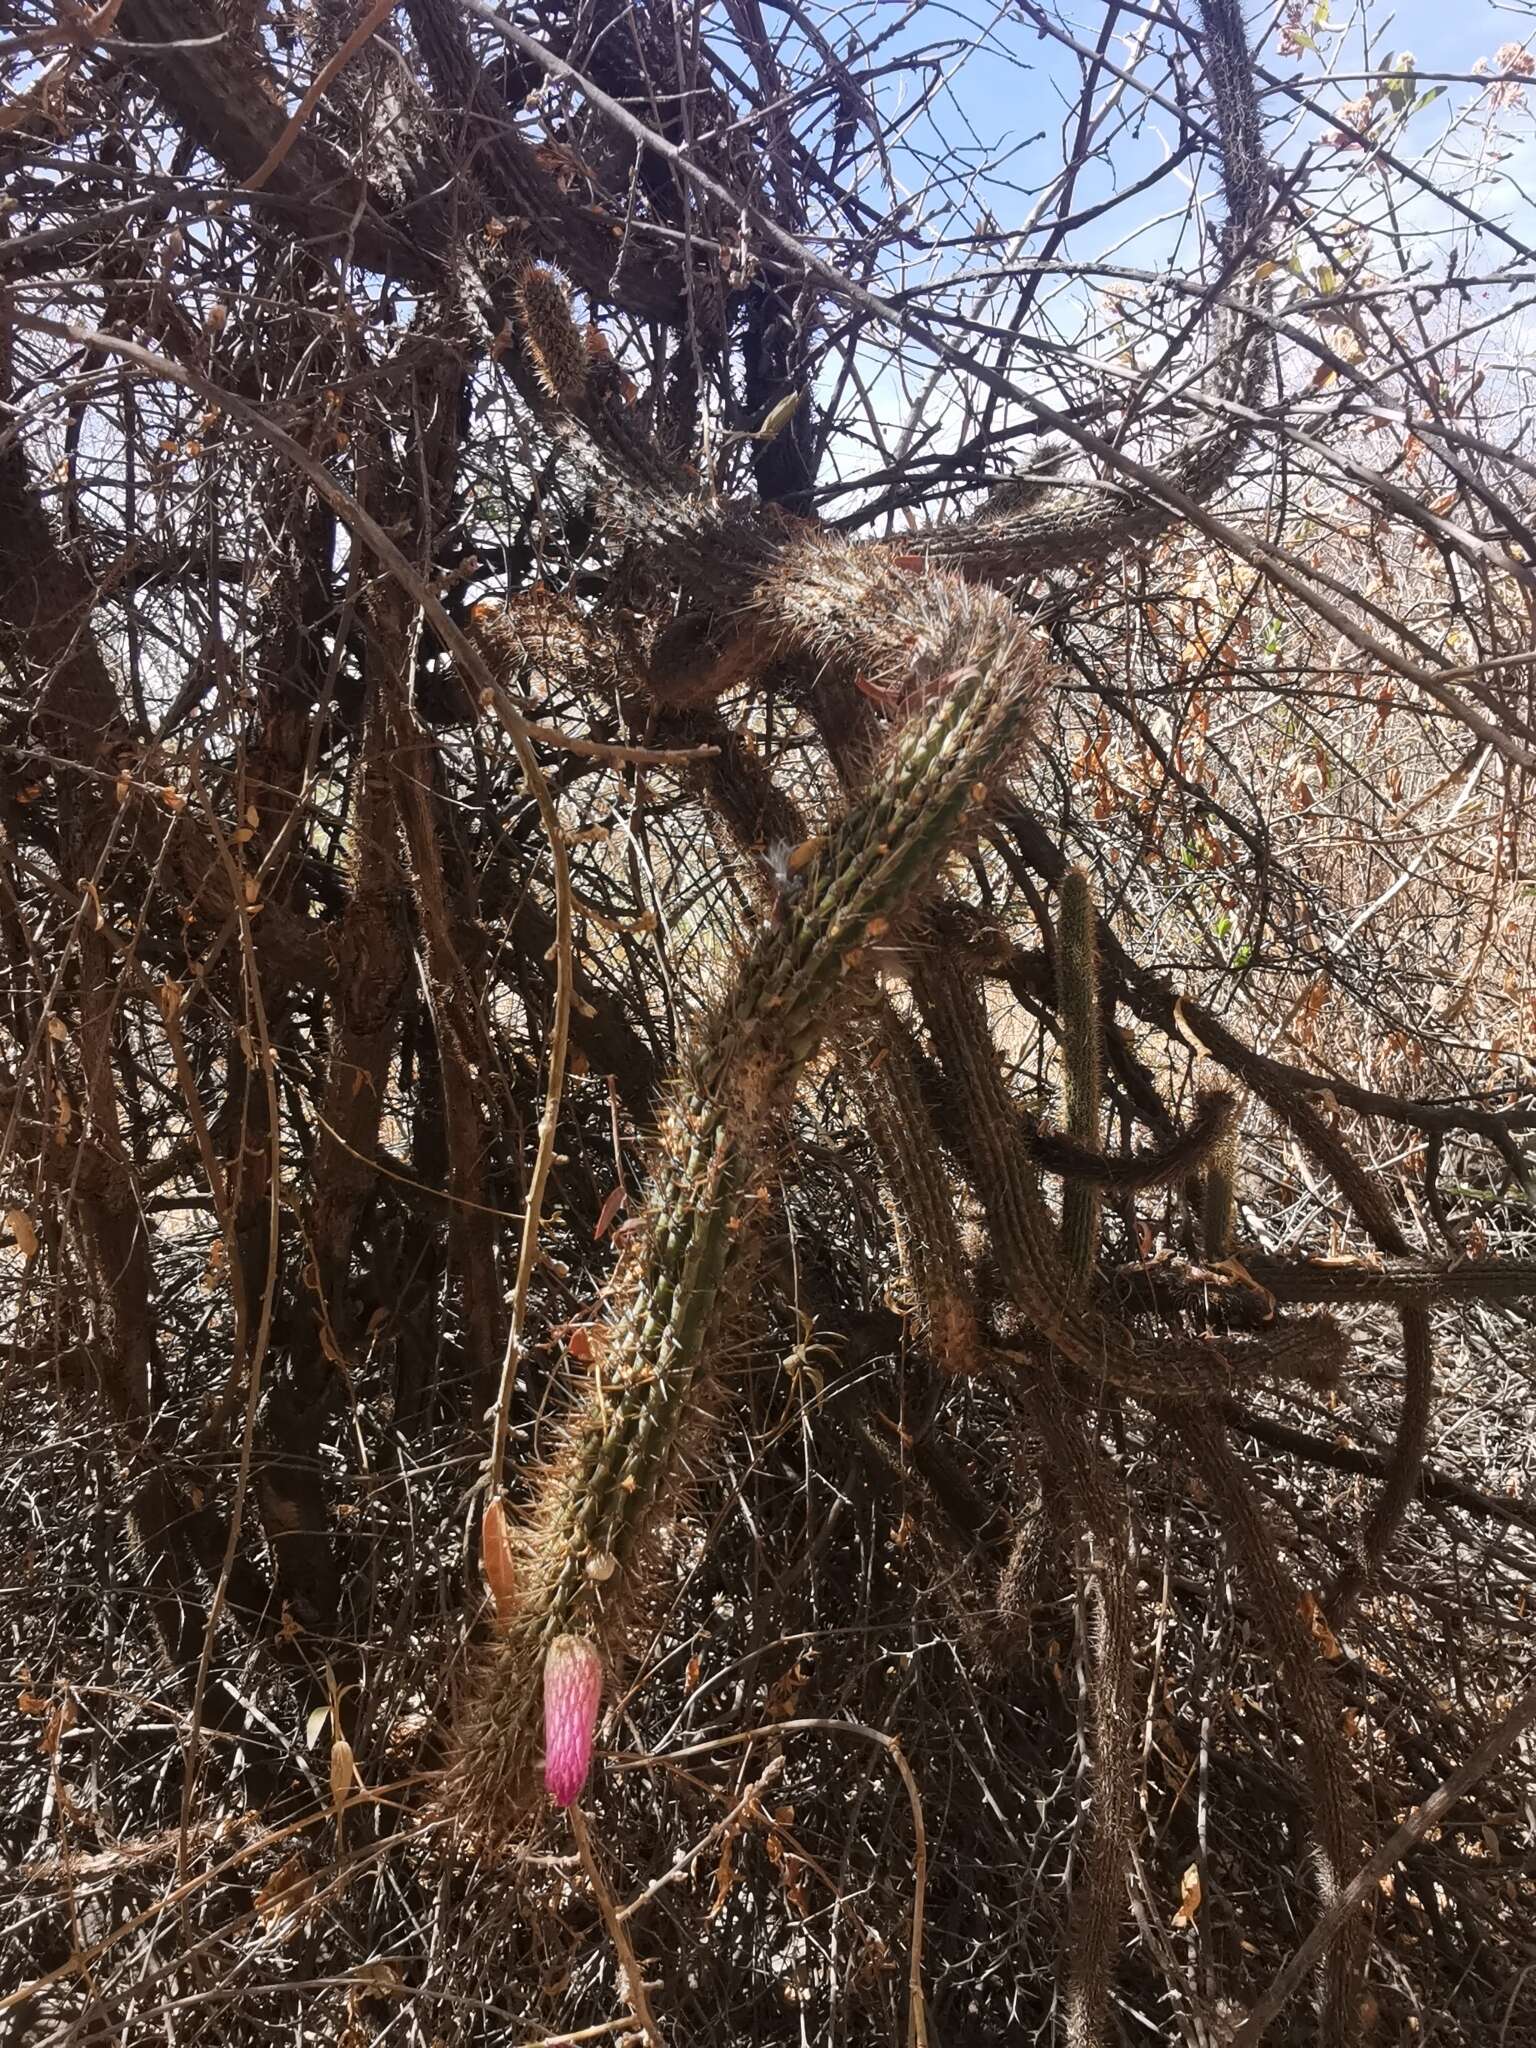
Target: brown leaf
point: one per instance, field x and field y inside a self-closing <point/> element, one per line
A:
<point x="1311" y="1611"/>
<point x="610" y="1209"/>
<point x="779" y="417"/>
<point x="1189" y="1898"/>
<point x="284" y="1892"/>
<point x="725" y="1877"/>
<point x="784" y="1693"/>
<point x="343" y="1771"/>
<point x="62" y="1714"/>
<point x="21" y="1227"/>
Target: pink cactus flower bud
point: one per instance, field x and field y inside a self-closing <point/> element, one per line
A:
<point x="573" y="1686"/>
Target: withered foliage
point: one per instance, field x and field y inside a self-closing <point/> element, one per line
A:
<point x="766" y="893"/>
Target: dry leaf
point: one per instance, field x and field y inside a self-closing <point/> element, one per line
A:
<point x="343" y="1771"/>
<point x="1234" y="1269"/>
<point x="1310" y="1609"/>
<point x="62" y="1713"/>
<point x="725" y="1876"/>
<point x="380" y="1975"/>
<point x="1189" y="1898"/>
<point x="22" y="1229"/>
<point x="784" y="1693"/>
<point x="616" y="1199"/>
<point x="779" y="417"/>
<point x="284" y="1892"/>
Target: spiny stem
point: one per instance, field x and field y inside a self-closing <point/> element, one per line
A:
<point x="1082" y="1030"/>
<point x="579" y="1572"/>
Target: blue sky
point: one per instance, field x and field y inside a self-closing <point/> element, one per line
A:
<point x="1017" y="91"/>
<point x="1013" y="97"/>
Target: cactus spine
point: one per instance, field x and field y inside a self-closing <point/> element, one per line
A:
<point x="1082" y="1030"/>
<point x="550" y="335"/>
<point x="577" y="1573"/>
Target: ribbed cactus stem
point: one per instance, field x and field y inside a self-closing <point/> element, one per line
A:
<point x="1315" y="1707"/>
<point x="786" y="994"/>
<point x="881" y="1074"/>
<point x="874" y="1050"/>
<point x="1405" y="1466"/>
<point x="1219" y="1206"/>
<point x="1128" y="1173"/>
<point x="1082" y="1032"/>
<point x="550" y="335"/>
<point x="578" y="1572"/>
<point x="1175" y="1367"/>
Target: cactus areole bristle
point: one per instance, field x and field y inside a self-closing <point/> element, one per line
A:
<point x="573" y="1688"/>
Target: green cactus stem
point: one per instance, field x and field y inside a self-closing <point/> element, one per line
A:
<point x="1153" y="1166"/>
<point x="580" y="1571"/>
<point x="880" y="1070"/>
<point x="875" y="1053"/>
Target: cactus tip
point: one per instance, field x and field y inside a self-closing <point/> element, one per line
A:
<point x="573" y="1687"/>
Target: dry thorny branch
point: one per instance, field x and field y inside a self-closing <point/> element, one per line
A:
<point x="767" y="910"/>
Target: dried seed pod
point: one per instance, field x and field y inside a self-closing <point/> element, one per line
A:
<point x="496" y="1561"/>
